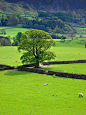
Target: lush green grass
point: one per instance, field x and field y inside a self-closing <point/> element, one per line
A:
<point x="76" y="68"/>
<point x="81" y="28"/>
<point x="24" y="93"/>
<point x="12" y="31"/>
<point x="68" y="50"/>
<point x="70" y="43"/>
<point x="83" y="38"/>
<point x="6" y="53"/>
<point x="69" y="53"/>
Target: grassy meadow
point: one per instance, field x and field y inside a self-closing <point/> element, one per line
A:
<point x="12" y="31"/>
<point x="78" y="68"/>
<point x="68" y="50"/>
<point x="24" y="93"/>
<point x="9" y="55"/>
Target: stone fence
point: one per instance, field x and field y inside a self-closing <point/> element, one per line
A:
<point x="30" y="68"/>
<point x="64" y="62"/>
<point x="61" y="74"/>
<point x="36" y="70"/>
<point x="5" y="67"/>
<point x="68" y="75"/>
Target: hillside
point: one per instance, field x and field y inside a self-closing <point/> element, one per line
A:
<point x="10" y="7"/>
<point x="67" y="5"/>
<point x="57" y="16"/>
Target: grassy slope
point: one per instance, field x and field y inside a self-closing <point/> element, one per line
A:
<point x="70" y="50"/>
<point x="6" y="53"/>
<point x="62" y="51"/>
<point x="24" y="93"/>
<point x="12" y="31"/>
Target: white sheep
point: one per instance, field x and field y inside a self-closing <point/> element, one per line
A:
<point x="45" y="84"/>
<point x="80" y="95"/>
<point x="54" y="74"/>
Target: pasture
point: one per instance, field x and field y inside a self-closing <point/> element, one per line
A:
<point x="9" y="55"/>
<point x="12" y="31"/>
<point x="76" y="68"/>
<point x="68" y="50"/>
<point x="24" y="93"/>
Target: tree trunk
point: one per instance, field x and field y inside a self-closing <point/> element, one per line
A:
<point x="37" y="64"/>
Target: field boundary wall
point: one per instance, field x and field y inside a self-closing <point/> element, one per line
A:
<point x="64" y="62"/>
<point x="60" y="74"/>
<point x="30" y="68"/>
<point x="5" y="67"/>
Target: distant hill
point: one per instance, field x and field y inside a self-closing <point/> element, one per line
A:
<point x="56" y="5"/>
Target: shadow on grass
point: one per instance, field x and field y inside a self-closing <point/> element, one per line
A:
<point x="15" y="73"/>
<point x="46" y="68"/>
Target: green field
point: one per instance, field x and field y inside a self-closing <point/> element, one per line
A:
<point x="9" y="55"/>
<point x="12" y="31"/>
<point x="24" y="93"/>
<point x="68" y="50"/>
<point x="81" y="28"/>
<point x="81" y="31"/>
<point x="78" y="68"/>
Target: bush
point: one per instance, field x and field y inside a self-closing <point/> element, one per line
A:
<point x="63" y="38"/>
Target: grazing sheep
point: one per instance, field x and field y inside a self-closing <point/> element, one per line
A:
<point x="54" y="75"/>
<point x="80" y="95"/>
<point x="45" y="84"/>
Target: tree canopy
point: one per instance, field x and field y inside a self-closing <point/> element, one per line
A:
<point x="36" y="45"/>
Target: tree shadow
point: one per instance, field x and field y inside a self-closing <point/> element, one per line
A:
<point x="15" y="73"/>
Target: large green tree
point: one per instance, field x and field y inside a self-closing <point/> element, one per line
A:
<point x="36" y="45"/>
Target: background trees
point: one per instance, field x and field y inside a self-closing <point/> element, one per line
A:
<point x="36" y="47"/>
<point x="17" y="39"/>
<point x="5" y="41"/>
<point x="63" y="38"/>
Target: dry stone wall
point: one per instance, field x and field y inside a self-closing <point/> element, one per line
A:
<point x="30" y="68"/>
<point x="61" y="74"/>
<point x="68" y="75"/>
<point x="5" y="67"/>
<point x="36" y="70"/>
<point x="64" y="62"/>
